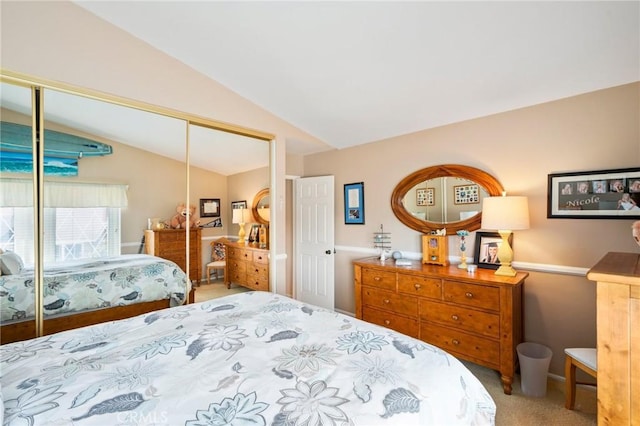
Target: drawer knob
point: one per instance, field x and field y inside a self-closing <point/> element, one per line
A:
<point x="469" y="295"/>
<point x="386" y="300"/>
<point x="417" y="286"/>
<point x="377" y="278"/>
<point x="387" y="322"/>
<point x="455" y="342"/>
<point x="454" y="317"/>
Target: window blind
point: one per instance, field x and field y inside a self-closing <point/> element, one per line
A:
<point x="19" y="193"/>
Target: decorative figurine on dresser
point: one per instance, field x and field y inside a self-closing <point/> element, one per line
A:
<point x="435" y="249"/>
<point x="476" y="316"/>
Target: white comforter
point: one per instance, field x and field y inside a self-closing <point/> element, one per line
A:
<point x="251" y="358"/>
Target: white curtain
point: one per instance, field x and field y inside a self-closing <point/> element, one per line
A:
<point x="19" y="193"/>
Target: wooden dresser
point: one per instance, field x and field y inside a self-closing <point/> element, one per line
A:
<point x="170" y="244"/>
<point x="618" y="328"/>
<point x="476" y="317"/>
<point x="247" y="265"/>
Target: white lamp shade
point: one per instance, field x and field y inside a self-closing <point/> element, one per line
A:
<point x="505" y="213"/>
<point x="240" y="216"/>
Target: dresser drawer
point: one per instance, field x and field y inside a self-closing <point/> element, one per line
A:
<point x="173" y="246"/>
<point x="239" y="253"/>
<point x="261" y="257"/>
<point x="379" y="279"/>
<point x="420" y="286"/>
<point x="463" y="318"/>
<point x="256" y="282"/>
<point x="175" y="256"/>
<point x="171" y="237"/>
<point x="479" y="296"/>
<point x="404" y="325"/>
<point x="390" y="301"/>
<point x="465" y="345"/>
<point x="258" y="269"/>
<point x="237" y="266"/>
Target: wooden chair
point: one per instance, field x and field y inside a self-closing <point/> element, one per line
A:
<point x="586" y="360"/>
<point x="218" y="261"/>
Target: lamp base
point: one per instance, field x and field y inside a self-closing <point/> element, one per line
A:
<point x="241" y="234"/>
<point x="505" y="256"/>
<point x="506" y="271"/>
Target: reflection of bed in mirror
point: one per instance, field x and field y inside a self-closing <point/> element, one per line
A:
<point x="89" y="291"/>
<point x="149" y="157"/>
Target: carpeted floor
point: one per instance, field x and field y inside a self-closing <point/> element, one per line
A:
<point x="512" y="410"/>
<point x="216" y="289"/>
<point x="518" y="409"/>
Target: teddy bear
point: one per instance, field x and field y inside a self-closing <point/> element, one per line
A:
<point x="180" y="219"/>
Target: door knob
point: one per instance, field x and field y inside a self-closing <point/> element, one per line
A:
<point x="328" y="252"/>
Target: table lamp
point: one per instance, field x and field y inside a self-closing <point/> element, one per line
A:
<point x="240" y="217"/>
<point x="505" y="214"/>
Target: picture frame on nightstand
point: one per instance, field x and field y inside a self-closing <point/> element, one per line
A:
<point x="435" y="250"/>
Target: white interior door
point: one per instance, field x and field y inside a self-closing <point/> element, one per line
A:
<point x="314" y="241"/>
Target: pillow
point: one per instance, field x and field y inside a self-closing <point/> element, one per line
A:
<point x="10" y="263"/>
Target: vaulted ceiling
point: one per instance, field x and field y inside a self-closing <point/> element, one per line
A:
<point x="355" y="72"/>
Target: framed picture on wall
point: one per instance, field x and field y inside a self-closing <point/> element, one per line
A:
<point x="239" y="204"/>
<point x="600" y="194"/>
<point x="209" y="207"/>
<point x="466" y="194"/>
<point x="425" y="196"/>
<point x="354" y="203"/>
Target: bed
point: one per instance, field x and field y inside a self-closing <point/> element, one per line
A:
<point x="249" y="358"/>
<point x="85" y="292"/>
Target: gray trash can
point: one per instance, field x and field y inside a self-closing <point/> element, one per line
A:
<point x="534" y="366"/>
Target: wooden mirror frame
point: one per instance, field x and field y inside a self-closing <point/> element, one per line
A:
<point x="482" y="178"/>
<point x="256" y="202"/>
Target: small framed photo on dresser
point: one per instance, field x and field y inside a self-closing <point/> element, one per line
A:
<point x="486" y="249"/>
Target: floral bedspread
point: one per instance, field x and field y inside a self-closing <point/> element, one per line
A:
<point x="97" y="283"/>
<point x="251" y="358"/>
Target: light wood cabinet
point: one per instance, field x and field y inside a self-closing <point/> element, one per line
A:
<point x="618" y="328"/>
<point x="247" y="265"/>
<point x="171" y="244"/>
<point x="474" y="316"/>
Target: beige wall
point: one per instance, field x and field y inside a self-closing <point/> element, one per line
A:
<point x="599" y="130"/>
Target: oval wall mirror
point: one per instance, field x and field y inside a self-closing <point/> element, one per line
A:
<point x="444" y="196"/>
<point x="260" y="208"/>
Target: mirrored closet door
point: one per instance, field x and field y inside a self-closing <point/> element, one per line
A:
<point x="17" y="236"/>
